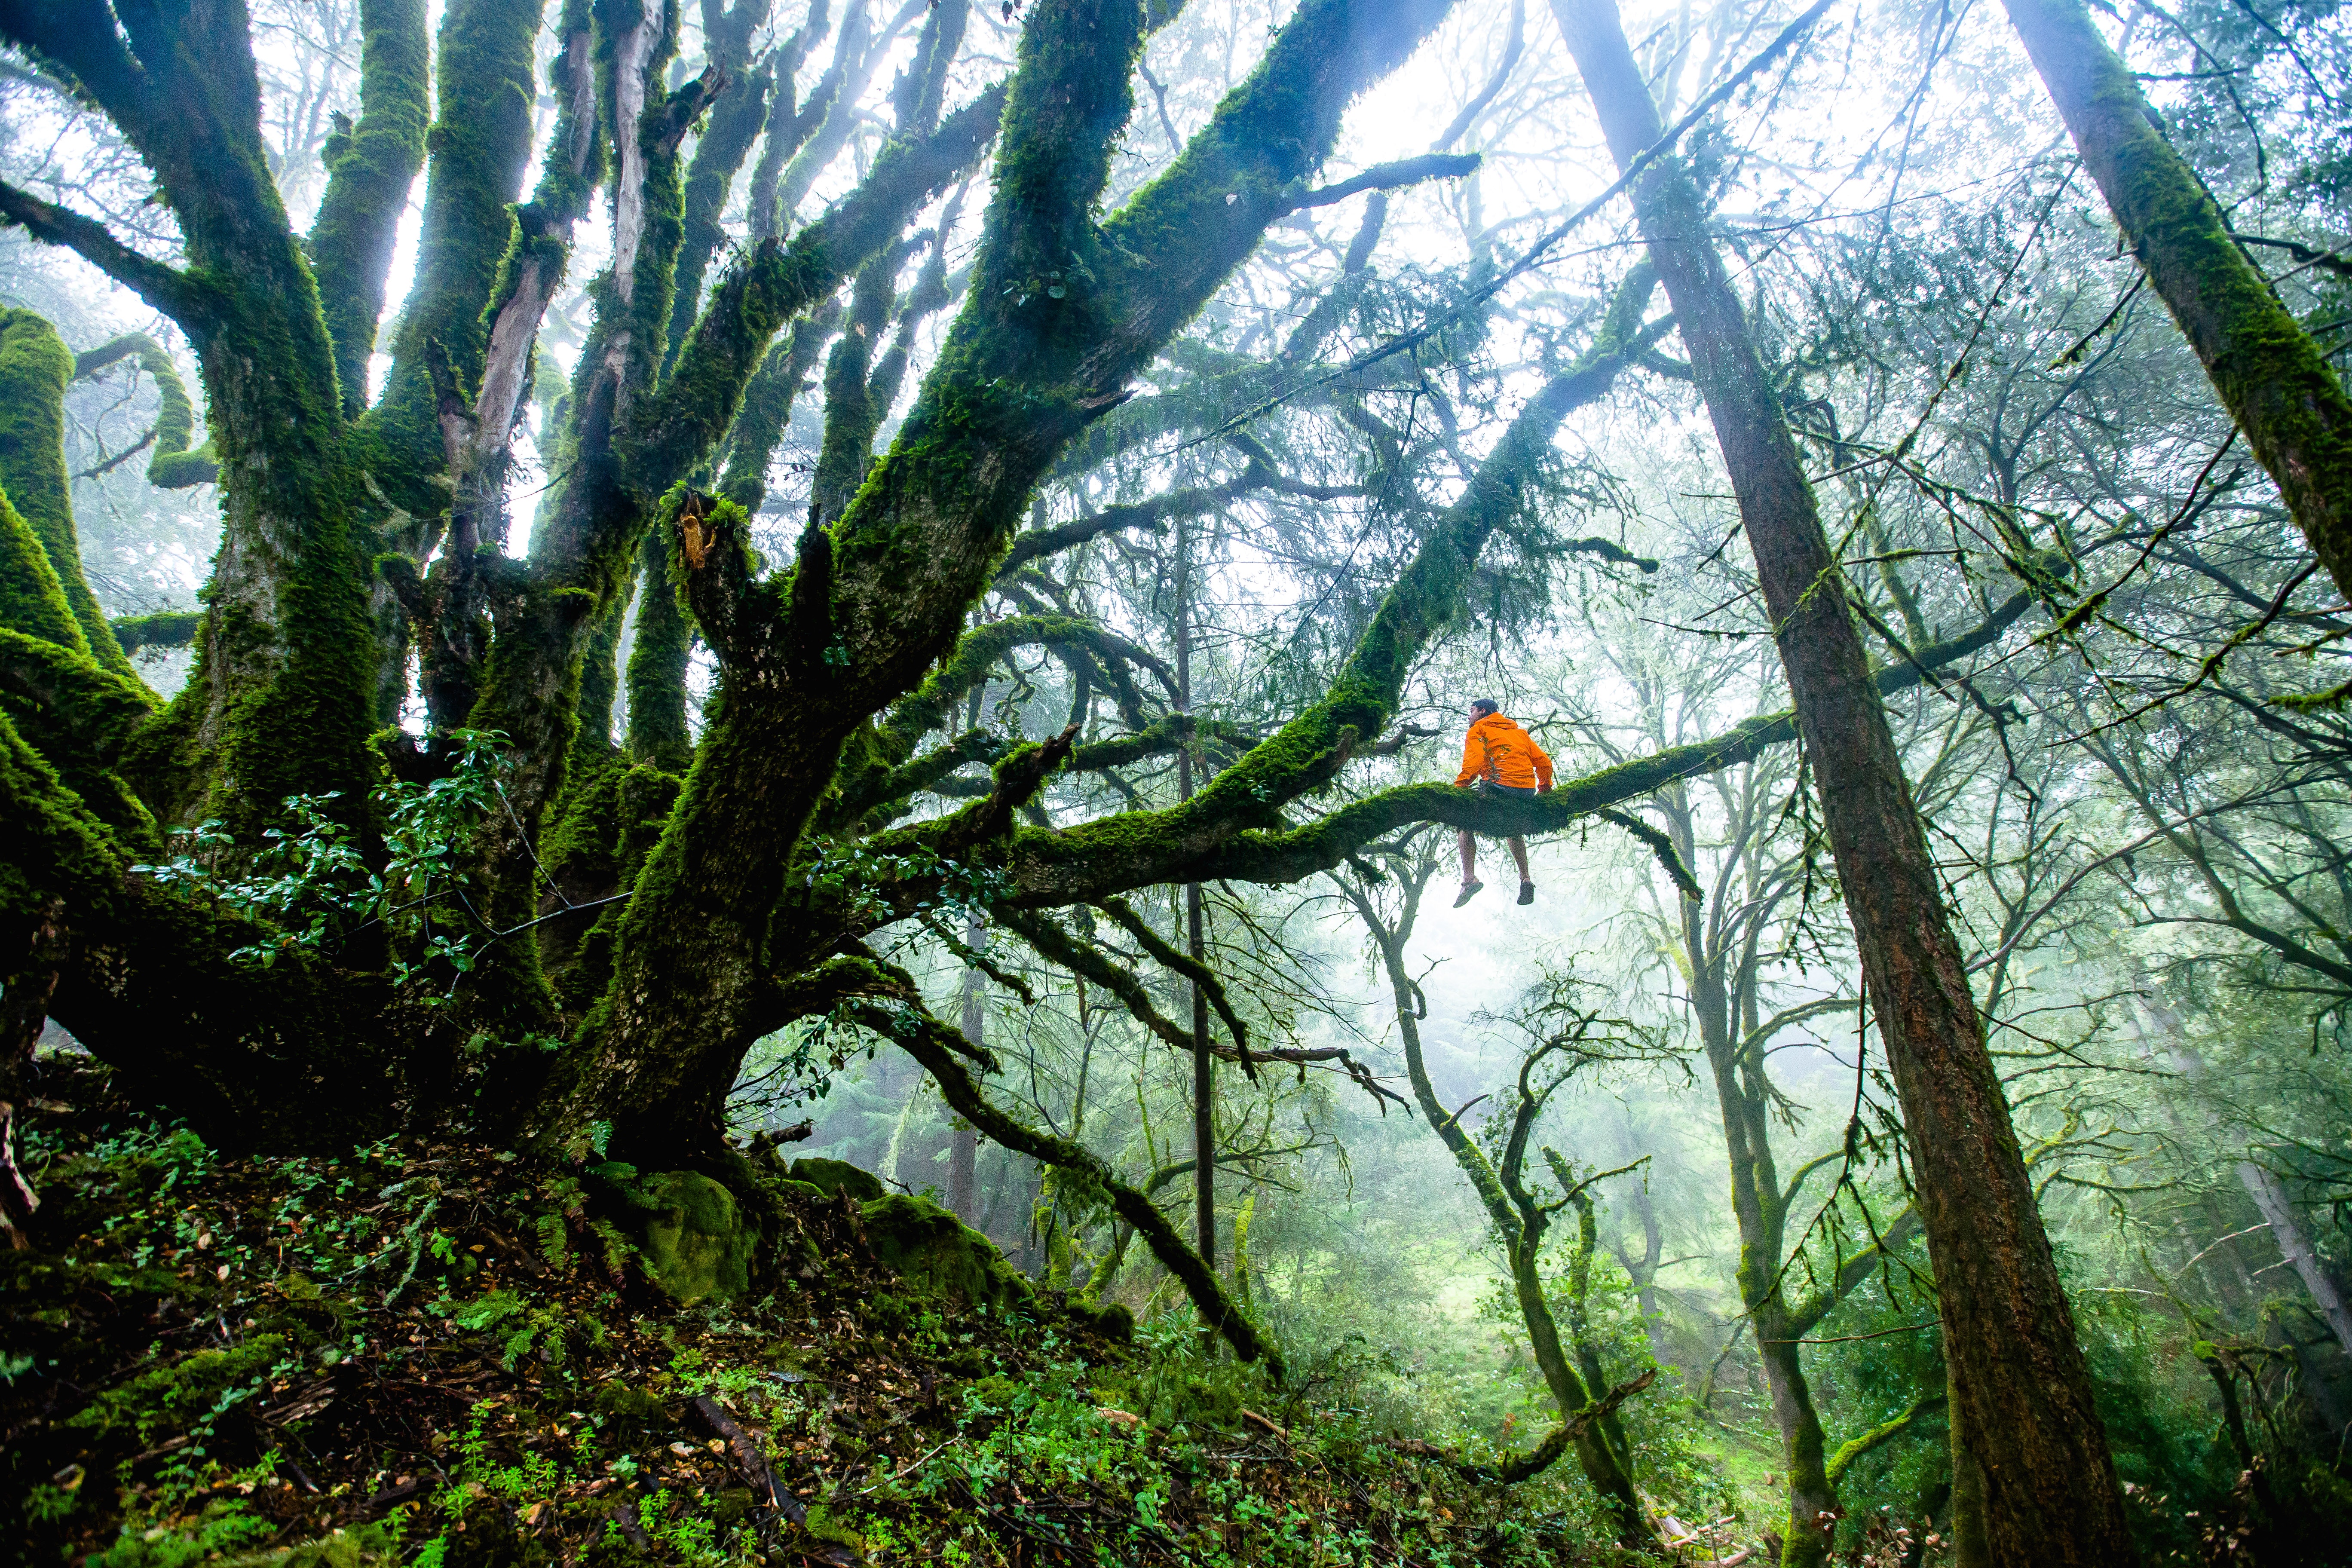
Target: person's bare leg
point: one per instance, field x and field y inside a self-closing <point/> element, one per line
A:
<point x="1518" y="847"/>
<point x="1469" y="858"/>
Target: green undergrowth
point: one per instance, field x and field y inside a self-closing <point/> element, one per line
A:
<point x="426" y="1353"/>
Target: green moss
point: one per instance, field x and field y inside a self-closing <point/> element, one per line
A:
<point x="175" y="1396"/>
<point x="2270" y="372"/>
<point x="172" y="464"/>
<point x="480" y="146"/>
<point x="937" y="1255"/>
<point x="611" y="820"/>
<point x="600" y="682"/>
<point x="35" y="368"/>
<point x="767" y="407"/>
<point x="833" y="1177"/>
<point x="82" y="719"/>
<point x="32" y="600"/>
<point x="697" y="1246"/>
<point x="659" y="657"/>
<point x="166" y="628"/>
<point x="369" y="169"/>
<point x="728" y="128"/>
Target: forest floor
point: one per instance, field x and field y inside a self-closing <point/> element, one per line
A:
<point x="423" y="1353"/>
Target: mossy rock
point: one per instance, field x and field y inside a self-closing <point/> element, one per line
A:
<point x="833" y="1177"/>
<point x="1112" y="1320"/>
<point x="696" y="1245"/>
<point x="939" y="1255"/>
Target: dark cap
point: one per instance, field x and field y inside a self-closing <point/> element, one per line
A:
<point x="1484" y="704"/>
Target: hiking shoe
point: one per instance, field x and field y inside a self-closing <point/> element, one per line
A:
<point x="1468" y="889"/>
<point x="1526" y="892"/>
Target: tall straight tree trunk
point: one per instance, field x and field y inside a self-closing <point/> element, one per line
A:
<point x="2023" y="1417"/>
<point x="1205" y="1076"/>
<point x="2272" y="377"/>
<point x="963" y="1140"/>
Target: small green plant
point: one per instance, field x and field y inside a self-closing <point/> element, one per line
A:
<point x="313" y="888"/>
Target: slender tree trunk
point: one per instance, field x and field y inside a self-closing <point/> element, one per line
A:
<point x="1205" y="1076"/>
<point x="1600" y="1462"/>
<point x="2270" y="1196"/>
<point x="2021" y="1390"/>
<point x="2272" y="377"/>
<point x="1762" y="1220"/>
<point x="963" y="1141"/>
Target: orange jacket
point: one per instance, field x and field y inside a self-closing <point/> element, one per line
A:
<point x="1501" y="752"/>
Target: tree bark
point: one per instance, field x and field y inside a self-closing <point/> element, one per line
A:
<point x="2272" y="377"/>
<point x="1204" y="1067"/>
<point x="2021" y="1389"/>
<point x="963" y="1139"/>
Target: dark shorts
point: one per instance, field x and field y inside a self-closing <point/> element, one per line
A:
<point x="1512" y="792"/>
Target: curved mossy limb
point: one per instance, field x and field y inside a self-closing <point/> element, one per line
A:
<point x="165" y="628"/>
<point x="35" y="368"/>
<point x="369" y="166"/>
<point x="283" y="703"/>
<point x="82" y="719"/>
<point x="2270" y="374"/>
<point x="32" y="599"/>
<point x="173" y="463"/>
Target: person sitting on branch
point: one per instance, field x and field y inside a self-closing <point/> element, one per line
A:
<point x="1499" y="758"/>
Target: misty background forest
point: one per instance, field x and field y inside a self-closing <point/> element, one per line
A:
<point x="731" y="733"/>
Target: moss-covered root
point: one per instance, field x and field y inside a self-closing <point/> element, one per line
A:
<point x="35" y="368"/>
<point x="2270" y="373"/>
<point x="292" y="1056"/>
<point x="173" y="461"/>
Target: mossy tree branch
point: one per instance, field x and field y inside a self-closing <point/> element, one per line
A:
<point x="2270" y="373"/>
<point x="1886" y="1431"/>
<point x="1078" y="864"/>
<point x="369" y="166"/>
<point x="176" y="463"/>
<point x="35" y="368"/>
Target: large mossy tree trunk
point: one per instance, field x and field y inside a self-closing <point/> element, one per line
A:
<point x="2024" y="1416"/>
<point x="2272" y="377"/>
<point x="879" y="597"/>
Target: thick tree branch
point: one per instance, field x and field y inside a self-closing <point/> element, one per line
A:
<point x="167" y="289"/>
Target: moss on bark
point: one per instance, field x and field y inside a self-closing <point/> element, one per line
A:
<point x="2270" y="372"/>
<point x="658" y="658"/>
<point x="35" y="368"/>
<point x="32" y="600"/>
<point x="369" y="166"/>
<point x="173" y="463"/>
